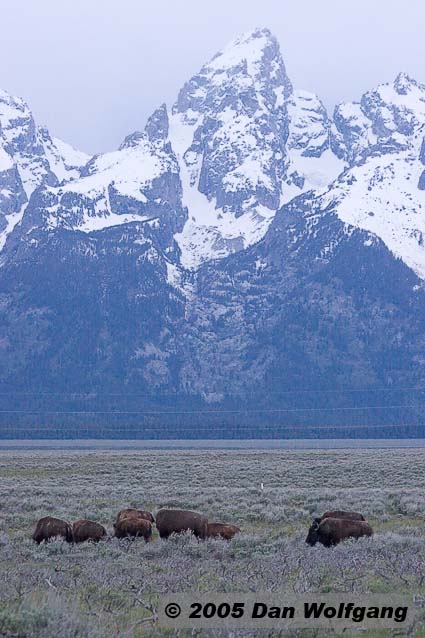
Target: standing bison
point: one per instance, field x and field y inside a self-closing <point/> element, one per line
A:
<point x="133" y="513"/>
<point x="222" y="530"/>
<point x="176" y="521"/>
<point x="85" y="530"/>
<point x="332" y="531"/>
<point x="50" y="527"/>
<point x="133" y="527"/>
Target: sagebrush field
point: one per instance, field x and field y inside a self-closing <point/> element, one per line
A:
<point x="111" y="589"/>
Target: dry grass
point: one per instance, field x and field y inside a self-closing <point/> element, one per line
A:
<point x="105" y="590"/>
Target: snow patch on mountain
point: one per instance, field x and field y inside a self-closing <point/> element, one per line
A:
<point x="382" y="137"/>
<point x="10" y="221"/>
<point x="64" y="160"/>
<point x="6" y="162"/>
<point x="382" y="196"/>
<point x="116" y="190"/>
<point x="130" y="170"/>
<point x="210" y="232"/>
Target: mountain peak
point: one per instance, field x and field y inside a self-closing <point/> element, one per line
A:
<point x="404" y="83"/>
<point x="12" y="108"/>
<point x="10" y="99"/>
<point x="247" y="49"/>
<point x="157" y="125"/>
<point x="258" y="33"/>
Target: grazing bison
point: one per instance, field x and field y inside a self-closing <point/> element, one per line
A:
<point x="352" y="516"/>
<point x="50" y="527"/>
<point x="132" y="527"/>
<point x="332" y="531"/>
<point x="87" y="531"/>
<point x="222" y="530"/>
<point x="130" y="512"/>
<point x="175" y="521"/>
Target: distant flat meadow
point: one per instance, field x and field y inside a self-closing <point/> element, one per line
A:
<point x="112" y="589"/>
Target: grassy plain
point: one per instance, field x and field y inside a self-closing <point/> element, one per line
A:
<point x="111" y="589"/>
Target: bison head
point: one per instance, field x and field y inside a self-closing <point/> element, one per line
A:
<point x="313" y="533"/>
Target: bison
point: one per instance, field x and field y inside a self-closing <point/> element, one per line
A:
<point x="84" y="530"/>
<point x="222" y="530"/>
<point x="352" y="516"/>
<point x="176" y="521"/>
<point x="50" y="527"/>
<point x="332" y="531"/>
<point x="130" y="512"/>
<point x="133" y="527"/>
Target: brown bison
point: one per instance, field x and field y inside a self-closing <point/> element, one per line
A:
<point x="332" y="531"/>
<point x="130" y="512"/>
<point x="50" y="527"/>
<point x="176" y="521"/>
<point x="132" y="527"/>
<point x="222" y="530"/>
<point x="352" y="516"/>
<point x="84" y="530"/>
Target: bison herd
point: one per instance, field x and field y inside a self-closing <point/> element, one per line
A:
<point x="134" y="523"/>
<point x="330" y="529"/>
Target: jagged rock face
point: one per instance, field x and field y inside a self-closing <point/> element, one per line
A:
<point x="40" y="159"/>
<point x="382" y="139"/>
<point x="157" y="126"/>
<point x="12" y="194"/>
<point x="241" y="136"/>
<point x="138" y="183"/>
<point x="386" y="120"/>
<point x="29" y="159"/>
<point x="22" y="163"/>
<point x="312" y="164"/>
<point x="23" y="142"/>
<point x="309" y="124"/>
<point x="233" y="128"/>
<point x="229" y="128"/>
<point x="65" y="162"/>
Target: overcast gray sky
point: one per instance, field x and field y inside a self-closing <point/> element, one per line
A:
<point x="94" y="70"/>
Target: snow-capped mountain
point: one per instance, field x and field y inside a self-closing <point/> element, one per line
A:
<point x="138" y="183"/>
<point x="29" y="158"/>
<point x="382" y="138"/>
<point x="235" y="146"/>
<point x="246" y="144"/>
<point x="242" y="244"/>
